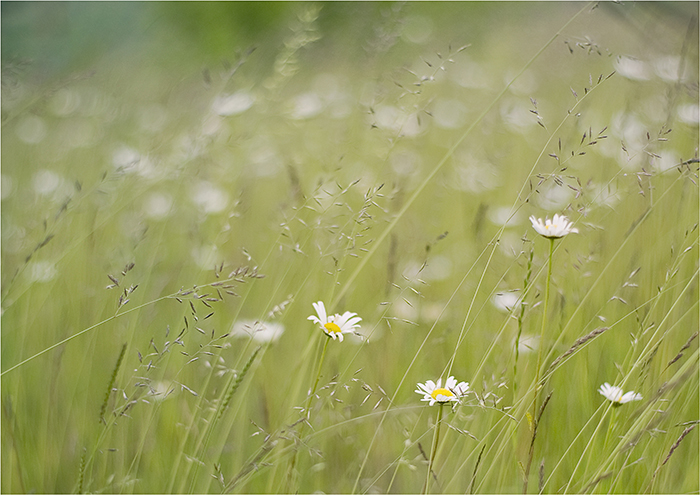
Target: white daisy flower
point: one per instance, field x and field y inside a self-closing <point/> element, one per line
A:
<point x="616" y="396"/>
<point x="434" y="392"/>
<point x="557" y="227"/>
<point x="335" y="325"/>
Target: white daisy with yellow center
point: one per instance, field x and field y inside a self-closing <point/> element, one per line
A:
<point x="435" y="392"/>
<point x="616" y="395"/>
<point x="557" y="227"/>
<point x="334" y="325"/>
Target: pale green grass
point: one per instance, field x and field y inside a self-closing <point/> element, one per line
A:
<point x="385" y="177"/>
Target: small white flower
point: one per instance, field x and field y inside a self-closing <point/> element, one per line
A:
<point x="616" y="396"/>
<point x="434" y="392"/>
<point x="555" y="228"/>
<point x="335" y="325"/>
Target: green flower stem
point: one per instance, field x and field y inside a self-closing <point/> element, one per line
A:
<point x="611" y="425"/>
<point x="612" y="420"/>
<point x="533" y="425"/>
<point x="544" y="321"/>
<point x="436" y="439"/>
<point x="318" y="377"/>
<point x="291" y="476"/>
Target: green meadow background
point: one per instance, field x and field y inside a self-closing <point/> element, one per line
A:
<point x="181" y="181"/>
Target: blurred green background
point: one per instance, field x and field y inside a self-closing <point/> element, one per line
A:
<point x="65" y="36"/>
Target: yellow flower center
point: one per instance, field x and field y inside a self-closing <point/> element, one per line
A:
<point x="441" y="391"/>
<point x="332" y="327"/>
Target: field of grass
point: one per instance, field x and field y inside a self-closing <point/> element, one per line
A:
<point x="173" y="202"/>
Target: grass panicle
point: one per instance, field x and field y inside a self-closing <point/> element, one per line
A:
<point x="112" y="380"/>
